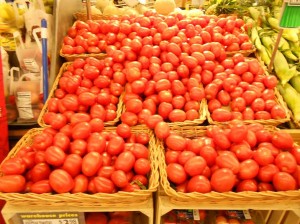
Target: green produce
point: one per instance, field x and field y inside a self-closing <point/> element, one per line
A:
<point x="282" y="68"/>
<point x="292" y="99"/>
<point x="295" y="82"/>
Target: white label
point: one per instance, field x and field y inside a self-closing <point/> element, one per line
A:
<point x="44" y="33"/>
<point x="31" y="65"/>
<point x="51" y="221"/>
<point x="24" y="105"/>
<point x="196" y="214"/>
<point x="247" y="214"/>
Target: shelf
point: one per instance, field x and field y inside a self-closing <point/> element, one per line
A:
<point x="10" y="210"/>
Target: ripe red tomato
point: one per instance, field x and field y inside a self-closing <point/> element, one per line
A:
<point x="41" y="187"/>
<point x="221" y="115"/>
<point x="286" y="162"/>
<point x="238" y="132"/>
<point x="282" y="140"/>
<point x="247" y="185"/>
<point x="242" y="151"/>
<point x="82" y="130"/>
<point x="60" y="181"/>
<point x="228" y="160"/>
<point x="266" y="173"/>
<point x="115" y="145"/>
<point x="248" y="169"/>
<point x="55" y="156"/>
<point x="72" y="164"/>
<point x="119" y="178"/>
<point x="176" y="173"/>
<point x="223" y="180"/>
<point x="91" y="163"/>
<point x="176" y="142"/>
<point x="125" y="161"/>
<point x="162" y="130"/>
<point x="195" y="166"/>
<point x="142" y="166"/>
<point x="12" y="183"/>
<point x="263" y="156"/>
<point x="283" y="181"/>
<point x="103" y="185"/>
<point x="13" y="166"/>
<point x="199" y="184"/>
<point x="129" y="118"/>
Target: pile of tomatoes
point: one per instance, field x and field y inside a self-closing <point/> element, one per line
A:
<point x="236" y="158"/>
<point x="79" y="159"/>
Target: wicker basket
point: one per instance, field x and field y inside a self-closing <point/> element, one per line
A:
<point x="243" y="52"/>
<point x="274" y="122"/>
<point x="85" y="199"/>
<point x="72" y="57"/>
<point x="216" y="197"/>
<point x="51" y="94"/>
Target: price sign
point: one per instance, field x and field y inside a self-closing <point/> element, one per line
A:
<point x="52" y="218"/>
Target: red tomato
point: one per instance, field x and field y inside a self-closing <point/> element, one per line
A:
<point x="172" y="156"/>
<point x="227" y="160"/>
<point x="13" y="166"/>
<point x="79" y="147"/>
<point x="12" y="183"/>
<point x="182" y="158"/>
<point x="177" y="115"/>
<point x="162" y="130"/>
<point x="282" y="140"/>
<point x="247" y="185"/>
<point x="87" y="98"/>
<point x="103" y="185"/>
<point x="123" y="130"/>
<point x="176" y="142"/>
<point x="248" y="169"/>
<point x="238" y="132"/>
<point x="142" y="166"/>
<point x="263" y="156"/>
<point x="283" y="181"/>
<point x="242" y="151"/>
<point x="176" y="173"/>
<point x="221" y="140"/>
<point x="72" y="164"/>
<point x="40" y="171"/>
<point x="91" y="163"/>
<point x="286" y="162"/>
<point x="41" y="187"/>
<point x="81" y="130"/>
<point x="199" y="184"/>
<point x="115" y="145"/>
<point x="60" y="181"/>
<point x="221" y="115"/>
<point x="125" y="161"/>
<point x="129" y="118"/>
<point x="96" y="217"/>
<point x="42" y="141"/>
<point x="55" y="156"/>
<point x="222" y="180"/>
<point x="119" y="178"/>
<point x="266" y="173"/>
<point x="153" y="120"/>
<point x="195" y="166"/>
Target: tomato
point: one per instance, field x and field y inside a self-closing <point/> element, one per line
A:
<point x="103" y="185"/>
<point x="13" y="166"/>
<point x="248" y="169"/>
<point x="195" y="166"/>
<point x="222" y="180"/>
<point x="242" y="151"/>
<point x="125" y="161"/>
<point x="286" y="162"/>
<point x="177" y="115"/>
<point x="262" y="186"/>
<point x="296" y="153"/>
<point x="282" y="140"/>
<point x="283" y="181"/>
<point x="129" y="118"/>
<point x="55" y="156"/>
<point x="258" y="104"/>
<point x="176" y="173"/>
<point x="263" y="136"/>
<point x="106" y="171"/>
<point x="221" y="115"/>
<point x="164" y="109"/>
<point x="199" y="184"/>
<point x="42" y="141"/>
<point x="91" y="163"/>
<point x="263" y="156"/>
<point x="162" y="130"/>
<point x="115" y="145"/>
<point x="238" y="132"/>
<point x="12" y="183"/>
<point x="96" y="143"/>
<point x="247" y="185"/>
<point x="176" y="142"/>
<point x="72" y="164"/>
<point x="238" y="104"/>
<point x="79" y="147"/>
<point x="270" y="81"/>
<point x="182" y="158"/>
<point x="142" y="166"/>
<point x="62" y="141"/>
<point x="227" y="160"/>
<point x="266" y="173"/>
<point x="119" y="178"/>
<point x="172" y="156"/>
<point x="60" y="181"/>
<point x="82" y="130"/>
<point x="221" y="140"/>
<point x="241" y="67"/>
<point x="224" y="97"/>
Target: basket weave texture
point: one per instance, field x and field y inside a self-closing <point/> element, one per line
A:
<point x="55" y="86"/>
<point x="85" y="199"/>
<point x="216" y="197"/>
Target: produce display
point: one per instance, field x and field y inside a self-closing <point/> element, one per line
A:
<point x="264" y="32"/>
<point x="110" y="218"/>
<point x="236" y="157"/>
<point x="82" y="157"/>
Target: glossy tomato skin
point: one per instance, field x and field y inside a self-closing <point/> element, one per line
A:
<point x="41" y="187"/>
<point x="199" y="184"/>
<point x="12" y="183"/>
<point x="61" y="181"/>
<point x="142" y="166"/>
<point x="72" y="164"/>
<point x="195" y="166"/>
<point x="13" y="166"/>
<point x="91" y="163"/>
<point x="104" y="185"/>
<point x="125" y="161"/>
<point x="80" y="184"/>
<point x="40" y="171"/>
<point x="176" y="173"/>
<point x="55" y="156"/>
<point x="119" y="178"/>
<point x="223" y="180"/>
<point x="283" y="181"/>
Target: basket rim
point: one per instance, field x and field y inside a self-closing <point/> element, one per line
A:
<point x="80" y="197"/>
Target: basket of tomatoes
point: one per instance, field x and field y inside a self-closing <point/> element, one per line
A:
<point x="83" y="91"/>
<point x="244" y="91"/>
<point x="237" y="162"/>
<point x="85" y="166"/>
